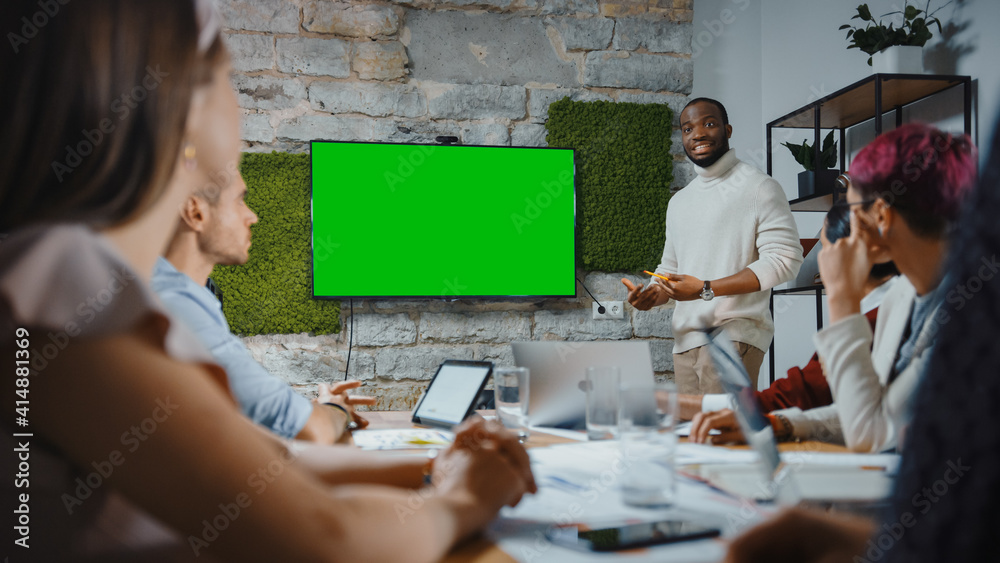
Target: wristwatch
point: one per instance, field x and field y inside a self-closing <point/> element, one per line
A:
<point x="706" y="292"/>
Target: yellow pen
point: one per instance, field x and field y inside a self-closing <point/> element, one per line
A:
<point x="665" y="278"/>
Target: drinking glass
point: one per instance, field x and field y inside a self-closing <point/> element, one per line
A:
<point x="602" y="386"/>
<point x="648" y="444"/>
<point x="510" y="387"/>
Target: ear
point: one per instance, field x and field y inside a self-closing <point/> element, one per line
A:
<point x="194" y="213"/>
<point x="884" y="218"/>
<point x="729" y="131"/>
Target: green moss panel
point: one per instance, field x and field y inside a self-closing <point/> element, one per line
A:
<point x="623" y="173"/>
<point x="272" y="292"/>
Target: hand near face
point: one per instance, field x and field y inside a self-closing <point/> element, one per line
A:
<point x="845" y="265"/>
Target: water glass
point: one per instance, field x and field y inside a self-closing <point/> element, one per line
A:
<point x="510" y="389"/>
<point x="648" y="444"/>
<point x="602" y="386"/>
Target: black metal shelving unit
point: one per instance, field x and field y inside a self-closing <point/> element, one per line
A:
<point x="870" y="98"/>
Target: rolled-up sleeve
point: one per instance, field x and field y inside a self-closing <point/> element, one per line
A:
<point x="262" y="396"/>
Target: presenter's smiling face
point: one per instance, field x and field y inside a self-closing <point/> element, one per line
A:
<point x="703" y="134"/>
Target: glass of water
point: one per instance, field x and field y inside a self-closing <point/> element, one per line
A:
<point x="510" y="389"/>
<point x="648" y="444"/>
<point x="602" y="386"/>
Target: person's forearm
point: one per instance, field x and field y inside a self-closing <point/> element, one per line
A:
<point x="422" y="529"/>
<point x="325" y="425"/>
<point x="338" y="465"/>
<point x="841" y="305"/>
<point x="742" y="282"/>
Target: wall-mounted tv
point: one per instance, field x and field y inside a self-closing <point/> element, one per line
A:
<point x="442" y="221"/>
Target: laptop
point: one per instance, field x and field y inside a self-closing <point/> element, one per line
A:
<point x="787" y="484"/>
<point x="557" y="369"/>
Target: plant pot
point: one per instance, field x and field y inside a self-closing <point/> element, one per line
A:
<point x="899" y="59"/>
<point x="813" y="183"/>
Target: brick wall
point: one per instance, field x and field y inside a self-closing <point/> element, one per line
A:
<point x="484" y="71"/>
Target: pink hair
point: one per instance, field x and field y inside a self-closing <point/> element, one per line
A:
<point x="923" y="172"/>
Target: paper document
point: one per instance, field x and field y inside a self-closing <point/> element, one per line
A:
<point x="403" y="439"/>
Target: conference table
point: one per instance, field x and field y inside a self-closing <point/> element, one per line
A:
<point x="481" y="550"/>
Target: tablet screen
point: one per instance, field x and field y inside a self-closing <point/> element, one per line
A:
<point x="452" y="392"/>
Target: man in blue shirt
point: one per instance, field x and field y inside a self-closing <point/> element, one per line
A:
<point x="214" y="228"/>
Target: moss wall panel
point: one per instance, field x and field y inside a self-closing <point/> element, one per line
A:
<point x="623" y="172"/>
<point x="272" y="292"/>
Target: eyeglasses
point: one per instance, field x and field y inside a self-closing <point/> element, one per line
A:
<point x="846" y="204"/>
<point x="843" y="182"/>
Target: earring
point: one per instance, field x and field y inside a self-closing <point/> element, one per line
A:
<point x="189" y="154"/>
<point x="880" y="232"/>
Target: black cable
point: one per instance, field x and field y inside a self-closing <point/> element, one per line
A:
<point x="600" y="308"/>
<point x="350" y="340"/>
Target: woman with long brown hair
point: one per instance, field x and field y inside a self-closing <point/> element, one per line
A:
<point x="114" y="111"/>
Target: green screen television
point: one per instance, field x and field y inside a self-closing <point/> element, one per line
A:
<point x="442" y="221"/>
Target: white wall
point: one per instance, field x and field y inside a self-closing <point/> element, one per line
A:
<point x="727" y="61"/>
<point x="804" y="56"/>
<point x="777" y="55"/>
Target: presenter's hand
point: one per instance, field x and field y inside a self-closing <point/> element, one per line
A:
<point x="803" y="535"/>
<point x="645" y="300"/>
<point x="683" y="288"/>
<point x="844" y="265"/>
<point x="338" y="394"/>
<point x="724" y="421"/>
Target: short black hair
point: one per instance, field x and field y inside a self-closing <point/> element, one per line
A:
<point x="716" y="103"/>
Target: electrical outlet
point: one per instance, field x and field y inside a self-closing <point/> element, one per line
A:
<point x="613" y="310"/>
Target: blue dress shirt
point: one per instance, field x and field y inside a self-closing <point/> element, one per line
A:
<point x="263" y="397"/>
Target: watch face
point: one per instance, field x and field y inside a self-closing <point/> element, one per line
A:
<point x="707" y="294"/>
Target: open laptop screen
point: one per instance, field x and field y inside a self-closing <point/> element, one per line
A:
<point x="736" y="382"/>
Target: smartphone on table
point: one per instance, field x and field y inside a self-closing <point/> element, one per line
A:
<point x="629" y="536"/>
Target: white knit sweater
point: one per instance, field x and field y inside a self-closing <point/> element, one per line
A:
<point x="731" y="217"/>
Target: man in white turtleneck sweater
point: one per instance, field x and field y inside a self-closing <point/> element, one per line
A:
<point x="730" y="239"/>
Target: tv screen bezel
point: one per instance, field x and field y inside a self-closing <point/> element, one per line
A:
<point x="312" y="249"/>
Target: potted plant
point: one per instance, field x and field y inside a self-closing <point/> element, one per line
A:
<point x="813" y="181"/>
<point x="890" y="48"/>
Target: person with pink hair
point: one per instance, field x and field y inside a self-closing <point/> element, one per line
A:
<point x="906" y="190"/>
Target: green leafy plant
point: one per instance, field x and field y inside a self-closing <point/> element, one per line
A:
<point x="272" y="292"/>
<point x="805" y="154"/>
<point x="876" y="36"/>
<point x="624" y="168"/>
